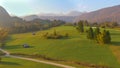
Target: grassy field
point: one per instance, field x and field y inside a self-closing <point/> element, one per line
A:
<point x="115" y="47"/>
<point x="76" y="48"/>
<point x="16" y="63"/>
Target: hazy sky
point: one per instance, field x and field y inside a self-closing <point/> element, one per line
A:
<point x="26" y="7"/>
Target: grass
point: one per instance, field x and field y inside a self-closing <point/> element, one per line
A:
<point x="115" y="46"/>
<point x="16" y="63"/>
<point x="76" y="48"/>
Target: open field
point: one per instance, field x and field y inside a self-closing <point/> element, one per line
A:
<point x="75" y="48"/>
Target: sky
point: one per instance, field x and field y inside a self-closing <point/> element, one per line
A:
<point x="28" y="7"/>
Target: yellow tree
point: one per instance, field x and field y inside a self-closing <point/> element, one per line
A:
<point x="3" y="36"/>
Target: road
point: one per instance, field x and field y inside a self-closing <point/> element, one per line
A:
<point x="35" y="60"/>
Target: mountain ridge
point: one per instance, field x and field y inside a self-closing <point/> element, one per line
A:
<point x="5" y="18"/>
<point x="102" y="15"/>
<point x="68" y="17"/>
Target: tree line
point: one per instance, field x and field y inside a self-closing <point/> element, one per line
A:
<point x="35" y="25"/>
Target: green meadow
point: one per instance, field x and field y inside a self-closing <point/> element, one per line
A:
<point x="75" y="48"/>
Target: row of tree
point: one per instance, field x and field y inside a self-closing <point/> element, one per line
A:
<point x="106" y="24"/>
<point x="35" y="25"/>
<point x="96" y="24"/>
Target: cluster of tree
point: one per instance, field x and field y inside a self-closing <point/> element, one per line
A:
<point x="105" y="24"/>
<point x="55" y="35"/>
<point x="109" y="24"/>
<point x="99" y="24"/>
<point x="80" y="25"/>
<point x="34" y="25"/>
<point x="100" y="37"/>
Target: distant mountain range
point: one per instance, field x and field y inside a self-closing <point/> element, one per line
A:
<point x="68" y="17"/>
<point x="72" y="13"/>
<point x="102" y="15"/>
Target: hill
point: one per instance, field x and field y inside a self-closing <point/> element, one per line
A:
<point x="77" y="48"/>
<point x="102" y="15"/>
<point x="5" y="18"/>
<point x="30" y="17"/>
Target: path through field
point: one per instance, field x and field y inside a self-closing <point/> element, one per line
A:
<point x="35" y="60"/>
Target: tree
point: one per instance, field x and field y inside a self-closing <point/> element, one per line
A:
<point x="108" y="37"/>
<point x="86" y="23"/>
<point x="95" y="24"/>
<point x="80" y="27"/>
<point x="66" y="35"/>
<point x="104" y="38"/>
<point x="97" y="32"/>
<point x="90" y="33"/>
<point x="3" y="36"/>
<point x="54" y="33"/>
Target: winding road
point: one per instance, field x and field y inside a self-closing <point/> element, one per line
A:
<point x="35" y="60"/>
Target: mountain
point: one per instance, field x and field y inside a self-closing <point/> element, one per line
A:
<point x="5" y="18"/>
<point x="74" y="13"/>
<point x="16" y="19"/>
<point x="102" y="15"/>
<point x="30" y="17"/>
<point x="68" y="17"/>
<point x="71" y="13"/>
<point x="63" y="18"/>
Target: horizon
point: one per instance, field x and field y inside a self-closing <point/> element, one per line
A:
<point x="15" y="8"/>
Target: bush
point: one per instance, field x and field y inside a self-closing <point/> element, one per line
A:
<point x="66" y="35"/>
<point x="55" y="35"/>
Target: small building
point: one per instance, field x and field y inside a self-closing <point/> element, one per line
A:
<point x="26" y="46"/>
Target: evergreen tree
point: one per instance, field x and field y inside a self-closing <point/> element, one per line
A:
<point x="55" y="33"/>
<point x="80" y="27"/>
<point x="97" y="32"/>
<point x="90" y="33"/>
<point x="108" y="37"/>
<point x="86" y="23"/>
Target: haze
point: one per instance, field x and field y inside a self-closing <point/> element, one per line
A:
<point x="27" y="7"/>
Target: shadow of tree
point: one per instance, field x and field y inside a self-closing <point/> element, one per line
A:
<point x="115" y="33"/>
<point x="8" y="63"/>
<point x="116" y="43"/>
<point x="16" y="47"/>
<point x="13" y="47"/>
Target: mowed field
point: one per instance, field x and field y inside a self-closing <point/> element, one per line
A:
<point x="16" y="63"/>
<point x="76" y="48"/>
